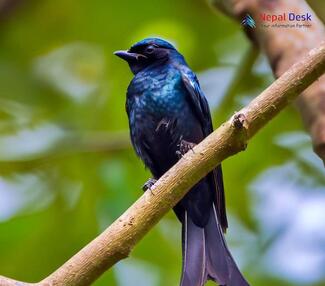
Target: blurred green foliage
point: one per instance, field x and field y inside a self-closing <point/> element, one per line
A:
<point x="66" y="167"/>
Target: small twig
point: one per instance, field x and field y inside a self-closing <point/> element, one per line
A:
<point x="244" y="67"/>
<point x="88" y="142"/>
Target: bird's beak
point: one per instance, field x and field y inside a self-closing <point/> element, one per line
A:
<point x="128" y="56"/>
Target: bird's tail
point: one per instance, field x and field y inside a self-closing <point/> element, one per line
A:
<point x="206" y="255"/>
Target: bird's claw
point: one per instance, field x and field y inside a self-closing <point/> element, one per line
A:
<point x="179" y="154"/>
<point x="184" y="146"/>
<point x="148" y="185"/>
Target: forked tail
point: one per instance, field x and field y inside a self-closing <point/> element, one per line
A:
<point x="206" y="255"/>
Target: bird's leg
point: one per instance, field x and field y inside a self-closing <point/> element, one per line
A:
<point x="184" y="146"/>
<point x="149" y="184"/>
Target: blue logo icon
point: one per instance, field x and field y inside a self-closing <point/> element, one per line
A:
<point x="248" y="21"/>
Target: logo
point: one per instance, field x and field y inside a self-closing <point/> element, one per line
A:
<point x="248" y="21"/>
<point x="285" y="20"/>
<point x="285" y="17"/>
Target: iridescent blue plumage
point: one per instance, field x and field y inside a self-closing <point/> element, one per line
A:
<point x="166" y="107"/>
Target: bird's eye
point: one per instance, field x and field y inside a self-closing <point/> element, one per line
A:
<point x="149" y="50"/>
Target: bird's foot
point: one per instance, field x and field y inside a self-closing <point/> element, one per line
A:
<point x="148" y="185"/>
<point x="184" y="146"/>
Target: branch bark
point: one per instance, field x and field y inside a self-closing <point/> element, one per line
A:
<point x="285" y="46"/>
<point x="116" y="242"/>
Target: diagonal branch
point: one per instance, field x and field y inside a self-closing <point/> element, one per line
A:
<point x="116" y="242"/>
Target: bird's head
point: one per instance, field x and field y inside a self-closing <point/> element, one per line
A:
<point x="146" y="52"/>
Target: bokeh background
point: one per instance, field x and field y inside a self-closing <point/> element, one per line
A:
<point x="67" y="169"/>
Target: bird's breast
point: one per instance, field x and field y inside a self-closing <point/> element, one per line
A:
<point x="160" y="113"/>
<point x="158" y="94"/>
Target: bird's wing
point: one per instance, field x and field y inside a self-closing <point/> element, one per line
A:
<point x="201" y="108"/>
<point x="198" y="101"/>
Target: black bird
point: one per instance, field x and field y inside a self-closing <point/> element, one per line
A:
<point x="168" y="115"/>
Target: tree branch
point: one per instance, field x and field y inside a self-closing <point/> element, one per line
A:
<point x="116" y="242"/>
<point x="283" y="47"/>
